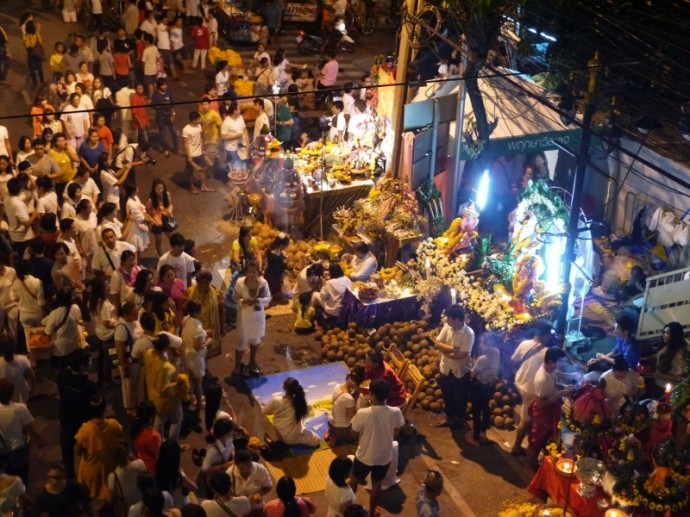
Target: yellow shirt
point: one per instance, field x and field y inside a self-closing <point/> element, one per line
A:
<point x="210" y="127"/>
<point x="253" y="247"/>
<point x="305" y="322"/>
<point x="67" y="168"/>
<point x="56" y="62"/>
<point x="161" y="385"/>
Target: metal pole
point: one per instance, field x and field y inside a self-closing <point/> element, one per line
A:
<point x="434" y="139"/>
<point x="397" y="115"/>
<point x="459" y="126"/>
<point x="578" y="184"/>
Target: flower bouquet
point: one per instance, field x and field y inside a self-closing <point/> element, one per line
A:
<point x="625" y="456"/>
<point x="633" y="417"/>
<point x="663" y="490"/>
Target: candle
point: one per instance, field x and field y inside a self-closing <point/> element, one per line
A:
<point x="668" y="393"/>
<point x="453" y="296"/>
<point x="428" y="268"/>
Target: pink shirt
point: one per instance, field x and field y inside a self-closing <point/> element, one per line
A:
<point x="329" y="73"/>
<point x="276" y="508"/>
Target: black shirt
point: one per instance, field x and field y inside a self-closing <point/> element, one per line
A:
<point x="75" y="392"/>
<point x="73" y="500"/>
<point x="123" y="46"/>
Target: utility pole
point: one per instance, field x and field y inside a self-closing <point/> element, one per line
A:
<point x="398" y="117"/>
<point x="578" y="184"/>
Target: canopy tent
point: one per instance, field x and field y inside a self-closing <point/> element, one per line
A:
<point x="524" y="125"/>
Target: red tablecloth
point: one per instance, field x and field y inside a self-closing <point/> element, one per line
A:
<point x="548" y="482"/>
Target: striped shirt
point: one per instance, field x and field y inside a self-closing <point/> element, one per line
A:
<point x="426" y="507"/>
<point x="486" y="366"/>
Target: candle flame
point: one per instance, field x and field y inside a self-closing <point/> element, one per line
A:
<point x="668" y="388"/>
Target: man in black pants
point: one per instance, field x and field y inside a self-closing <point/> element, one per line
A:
<point x="455" y="342"/>
<point x="75" y="389"/>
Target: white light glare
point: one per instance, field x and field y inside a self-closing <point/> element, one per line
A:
<point x="553" y="261"/>
<point x="483" y="190"/>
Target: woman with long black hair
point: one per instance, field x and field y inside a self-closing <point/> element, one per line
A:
<point x="169" y="475"/>
<point x="287" y="505"/>
<point x="289" y="412"/>
<point x="671" y="362"/>
<point x="159" y="207"/>
<point x="142" y="284"/>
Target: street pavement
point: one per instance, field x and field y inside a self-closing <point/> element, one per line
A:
<point x="478" y="479"/>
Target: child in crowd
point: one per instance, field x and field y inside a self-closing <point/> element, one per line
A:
<point x="304" y="323"/>
<point x="484" y="376"/>
<point x="56" y="65"/>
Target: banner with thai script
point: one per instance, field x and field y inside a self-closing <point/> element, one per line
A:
<point x="300" y="12"/>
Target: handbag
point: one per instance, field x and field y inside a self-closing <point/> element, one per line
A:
<point x="169" y="223"/>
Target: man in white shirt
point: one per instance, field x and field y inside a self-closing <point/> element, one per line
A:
<point x="546" y="410"/>
<point x="89" y="188"/>
<point x="163" y="32"/>
<point x="618" y="382"/>
<point x="182" y="262"/>
<point x="363" y="263"/>
<point x="455" y="342"/>
<point x="233" y="133"/>
<point x="76" y="121"/>
<point x="123" y="98"/>
<point x="529" y="355"/>
<point x="338" y="124"/>
<point x="150" y="60"/>
<point x="18" y="218"/>
<point x="106" y="259"/>
<point x="194" y="152"/>
<point x="250" y="479"/>
<point x="261" y="119"/>
<point x="357" y="126"/>
<point x="377" y="426"/>
<point x="331" y="295"/>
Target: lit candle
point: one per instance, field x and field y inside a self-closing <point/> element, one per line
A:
<point x="668" y="393"/>
<point x="428" y="268"/>
<point x="453" y="296"/>
<point x="616" y="512"/>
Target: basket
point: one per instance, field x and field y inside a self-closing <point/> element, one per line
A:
<point x="38" y="344"/>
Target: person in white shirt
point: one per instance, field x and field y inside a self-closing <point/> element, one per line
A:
<point x="62" y="325"/>
<point x="338" y="493"/>
<point x="250" y="479"/>
<point x="76" y="121"/>
<point x="122" y="482"/>
<point x="163" y="43"/>
<point x="357" y="125"/>
<point x="619" y="382"/>
<point x="348" y="100"/>
<point x="224" y="504"/>
<point x="89" y="188"/>
<point x="378" y="426"/>
<point x="261" y="119"/>
<point x="546" y="408"/>
<point x="70" y="202"/>
<point x="106" y="259"/>
<point x="46" y="201"/>
<point x="16" y="368"/>
<point x="529" y="355"/>
<point x="149" y="25"/>
<point x="233" y="133"/>
<point x="289" y="412"/>
<point x="363" y="264"/>
<point x="30" y="295"/>
<point x="194" y="151"/>
<point x="455" y="342"/>
<point x="338" y="124"/>
<point x="6" y="145"/>
<point x="18" y="218"/>
<point x="219" y="454"/>
<point x="344" y="406"/>
<point x="330" y="298"/>
<point x="181" y="262"/>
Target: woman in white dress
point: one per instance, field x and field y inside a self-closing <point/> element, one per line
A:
<point x="195" y="340"/>
<point x="289" y="412"/>
<point x="251" y="295"/>
<point x="16" y="368"/>
<point x="136" y="213"/>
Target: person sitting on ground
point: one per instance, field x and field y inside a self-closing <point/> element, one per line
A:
<point x="377" y="368"/>
<point x="344" y="401"/>
<point x="330" y="299"/>
<point x="219" y="455"/>
<point x="427" y="496"/>
<point x="289" y="412"/>
<point x="620" y="381"/>
<point x="625" y="345"/>
<point x="308" y="281"/>
<point x="250" y="479"/>
<point x="224" y="503"/>
<point x="287" y="504"/>
<point x="635" y="285"/>
<point x="363" y="263"/>
<point x="304" y="322"/>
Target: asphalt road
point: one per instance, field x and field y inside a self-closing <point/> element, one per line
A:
<point x="479" y="480"/>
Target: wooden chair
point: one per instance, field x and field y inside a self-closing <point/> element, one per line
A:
<point x="397" y="360"/>
<point x="414" y="376"/>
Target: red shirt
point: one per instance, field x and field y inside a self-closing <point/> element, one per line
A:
<point x="148" y="443"/>
<point x="106" y="136"/>
<point x="398" y="392"/>
<point x="121" y="63"/>
<point x="200" y="37"/>
<point x="139" y="117"/>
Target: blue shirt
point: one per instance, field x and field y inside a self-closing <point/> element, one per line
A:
<point x="91" y="155"/>
<point x="628" y="349"/>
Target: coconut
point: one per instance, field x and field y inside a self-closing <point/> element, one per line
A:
<point x="509" y="422"/>
<point x="331" y="356"/>
<point x="435" y="407"/>
<point x="497" y="411"/>
<point x="318" y="335"/>
<point x="499" y="422"/>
